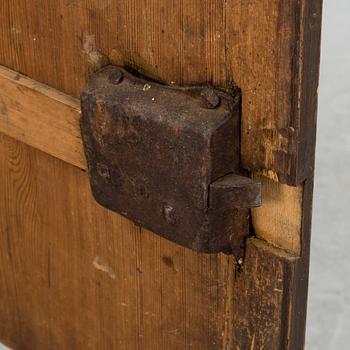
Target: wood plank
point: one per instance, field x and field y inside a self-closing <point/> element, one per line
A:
<point x="270" y="49"/>
<point x="80" y="276"/>
<point x="278" y="220"/>
<point x="41" y="117"/>
<point x="276" y="63"/>
<point x="48" y="120"/>
<point x="268" y="282"/>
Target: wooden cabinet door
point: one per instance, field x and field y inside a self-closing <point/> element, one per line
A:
<point x="74" y="275"/>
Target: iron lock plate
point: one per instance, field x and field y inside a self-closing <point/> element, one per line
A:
<point x="167" y="158"/>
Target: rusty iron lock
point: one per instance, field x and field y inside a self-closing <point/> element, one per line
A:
<point x="168" y="159"/>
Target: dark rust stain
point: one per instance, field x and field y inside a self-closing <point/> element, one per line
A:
<point x="168" y="261"/>
<point x="164" y="157"/>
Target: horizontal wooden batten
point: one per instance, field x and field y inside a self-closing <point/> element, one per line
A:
<point x="269" y="48"/>
<point x="62" y="253"/>
<point x="48" y="120"/>
<point x="65" y="253"/>
<point x="41" y="117"/>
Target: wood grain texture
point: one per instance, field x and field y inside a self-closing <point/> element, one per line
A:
<point x="260" y="321"/>
<point x="278" y="220"/>
<point x="43" y="117"/>
<point x="277" y="55"/>
<point x="57" y="243"/>
<point x="269" y="48"/>
<point x="76" y="276"/>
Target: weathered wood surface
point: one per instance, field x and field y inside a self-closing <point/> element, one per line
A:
<point x="259" y="320"/>
<point x="269" y="48"/>
<point x="76" y="276"/>
<point x="41" y="117"/>
<point x="48" y="120"/>
<point x="278" y="220"/>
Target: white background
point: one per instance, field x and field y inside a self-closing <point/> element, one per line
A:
<point x="329" y="298"/>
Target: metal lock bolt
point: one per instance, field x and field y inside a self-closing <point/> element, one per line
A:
<point x="158" y="157"/>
